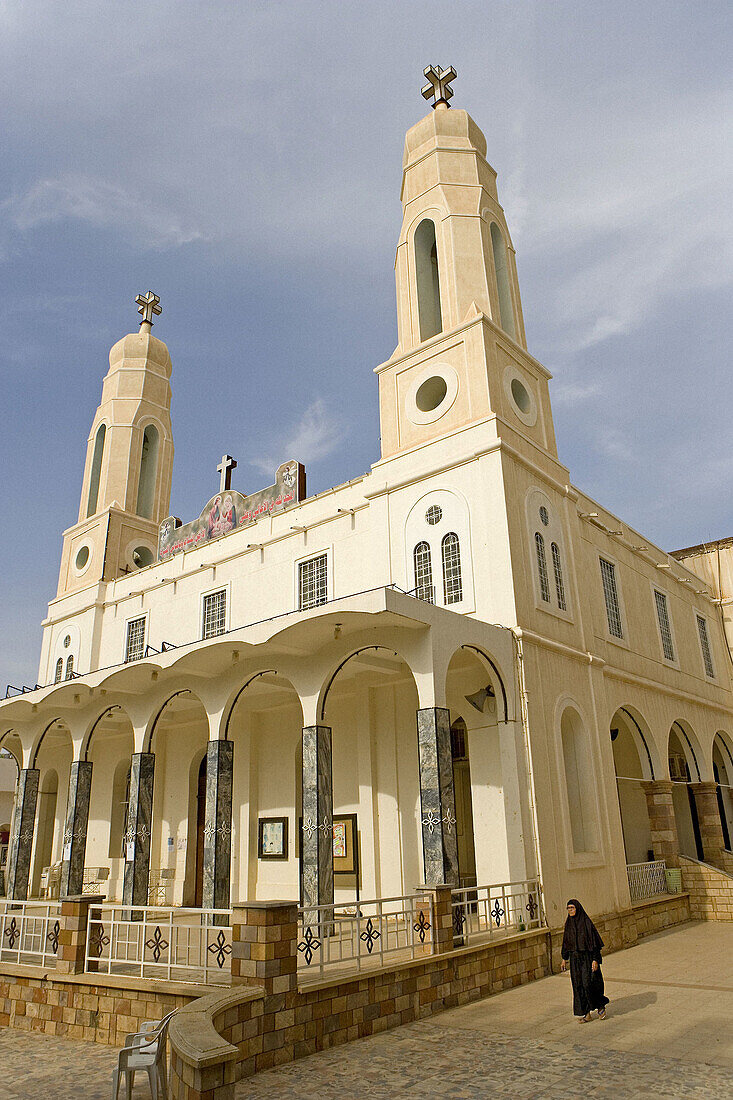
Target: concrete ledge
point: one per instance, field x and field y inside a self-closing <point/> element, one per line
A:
<point x="648" y="902"/>
<point x="130" y="982"/>
<point x="193" y="1033"/>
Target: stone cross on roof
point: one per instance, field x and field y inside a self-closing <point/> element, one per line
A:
<point x="225" y="468"/>
<point x="438" y="87"/>
<point x="147" y="305"/>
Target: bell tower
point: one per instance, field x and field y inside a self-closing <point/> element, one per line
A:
<point x="127" y="476"/>
<point x="461" y="357"/>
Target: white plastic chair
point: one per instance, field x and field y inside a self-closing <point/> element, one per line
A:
<point x="144" y="1051"/>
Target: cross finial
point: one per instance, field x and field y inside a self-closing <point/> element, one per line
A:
<point x="225" y="468"/>
<point x="439" y="88"/>
<point x="147" y="305"/>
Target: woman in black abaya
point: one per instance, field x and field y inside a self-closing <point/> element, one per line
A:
<point x="581" y="946"/>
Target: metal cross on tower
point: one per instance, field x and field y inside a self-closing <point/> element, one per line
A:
<point x="438" y="88"/>
<point x="225" y="468"/>
<point x="147" y="305"/>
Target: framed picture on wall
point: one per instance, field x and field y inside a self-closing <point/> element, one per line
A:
<point x="344" y="844"/>
<point x="272" y="838"/>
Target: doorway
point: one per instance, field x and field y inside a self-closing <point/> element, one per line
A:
<point x="464" y="804"/>
<point x="198" y="898"/>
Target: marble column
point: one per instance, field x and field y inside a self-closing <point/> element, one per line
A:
<point x="218" y="827"/>
<point x="662" y="822"/>
<point x="317" y="835"/>
<point x="437" y="797"/>
<point x="21" y="834"/>
<point x="75" y="830"/>
<point x="139" y="826"/>
<point x="711" y="827"/>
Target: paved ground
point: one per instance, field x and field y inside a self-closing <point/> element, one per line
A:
<point x="668" y="1035"/>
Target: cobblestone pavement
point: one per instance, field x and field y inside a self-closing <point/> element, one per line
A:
<point x="668" y="1035"/>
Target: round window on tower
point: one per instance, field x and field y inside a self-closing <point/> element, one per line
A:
<point x="67" y="641"/>
<point x="433" y="515"/>
<point x="81" y="561"/>
<point x="431" y="394"/>
<point x="522" y="401"/>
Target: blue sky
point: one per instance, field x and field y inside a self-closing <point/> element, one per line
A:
<point x="243" y="160"/>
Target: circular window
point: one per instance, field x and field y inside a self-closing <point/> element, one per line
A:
<point x="433" y="515"/>
<point x="142" y="556"/>
<point x="67" y="641"/>
<point x="544" y="516"/>
<point x="431" y="393"/>
<point x="82" y="557"/>
<point x="521" y="398"/>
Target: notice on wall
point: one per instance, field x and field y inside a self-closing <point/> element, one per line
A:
<point x="130" y="851"/>
<point x="230" y="510"/>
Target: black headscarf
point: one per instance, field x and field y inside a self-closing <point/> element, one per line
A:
<point x="580" y="932"/>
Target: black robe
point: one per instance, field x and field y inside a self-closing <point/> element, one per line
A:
<point x="581" y="946"/>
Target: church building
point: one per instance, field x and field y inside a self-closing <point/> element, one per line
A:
<point x="457" y="668"/>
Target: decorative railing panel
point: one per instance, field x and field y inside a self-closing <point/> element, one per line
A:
<point x="480" y="912"/>
<point x="646" y="880"/>
<point x="187" y="945"/>
<point x="29" y="932"/>
<point x="356" y="936"/>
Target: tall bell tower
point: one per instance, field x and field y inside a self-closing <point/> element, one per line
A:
<point x="461" y="358"/>
<point x="127" y="476"/>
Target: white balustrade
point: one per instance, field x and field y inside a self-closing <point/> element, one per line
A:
<point x="188" y="945"/>
<point x="505" y="908"/>
<point x="29" y="932"/>
<point x="646" y="880"/>
<point x="356" y="936"/>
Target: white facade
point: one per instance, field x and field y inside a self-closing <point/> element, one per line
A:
<point x="464" y="559"/>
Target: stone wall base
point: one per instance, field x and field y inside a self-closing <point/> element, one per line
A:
<point x="257" y="1032"/>
<point x="710" y="890"/>
<point x="77" y="1008"/>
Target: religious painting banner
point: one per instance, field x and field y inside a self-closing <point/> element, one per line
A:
<point x="230" y="510"/>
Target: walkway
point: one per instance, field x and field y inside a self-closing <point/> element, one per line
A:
<point x="668" y="1035"/>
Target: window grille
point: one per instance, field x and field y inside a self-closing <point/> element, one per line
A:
<point x="702" y="629"/>
<point x="69" y="667"/>
<point x="433" y="515"/>
<point x="544" y="516"/>
<point x="665" y="629"/>
<point x="423" y="573"/>
<point x="452" y="583"/>
<point x="458" y="740"/>
<point x="557" y="569"/>
<point x="610" y="592"/>
<point x="312" y="582"/>
<point x="135" y="646"/>
<point x="59" y="671"/>
<point x="542" y="566"/>
<point x="215" y="614"/>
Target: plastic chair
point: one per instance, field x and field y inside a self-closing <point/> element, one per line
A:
<point x="145" y="1052"/>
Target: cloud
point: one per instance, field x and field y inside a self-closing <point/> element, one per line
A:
<point x="100" y="204"/>
<point x="316" y="436"/>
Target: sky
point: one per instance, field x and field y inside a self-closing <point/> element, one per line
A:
<point x="243" y="160"/>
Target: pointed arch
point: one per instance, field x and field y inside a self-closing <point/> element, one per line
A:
<point x="148" y="472"/>
<point x="428" y="280"/>
<point x="501" y="267"/>
<point x="96" y="470"/>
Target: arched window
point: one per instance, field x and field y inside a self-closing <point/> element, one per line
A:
<point x="423" y="573"/>
<point x="452" y="584"/>
<point x="557" y="569"/>
<point x="428" y="283"/>
<point x="69" y="667"/>
<point x="579" y="782"/>
<point x="59" y="671"/>
<point x="96" y="470"/>
<point x="148" y="472"/>
<point x="506" y="312"/>
<point x="542" y="567"/>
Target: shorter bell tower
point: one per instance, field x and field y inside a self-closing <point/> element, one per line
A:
<point x="127" y="475"/>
